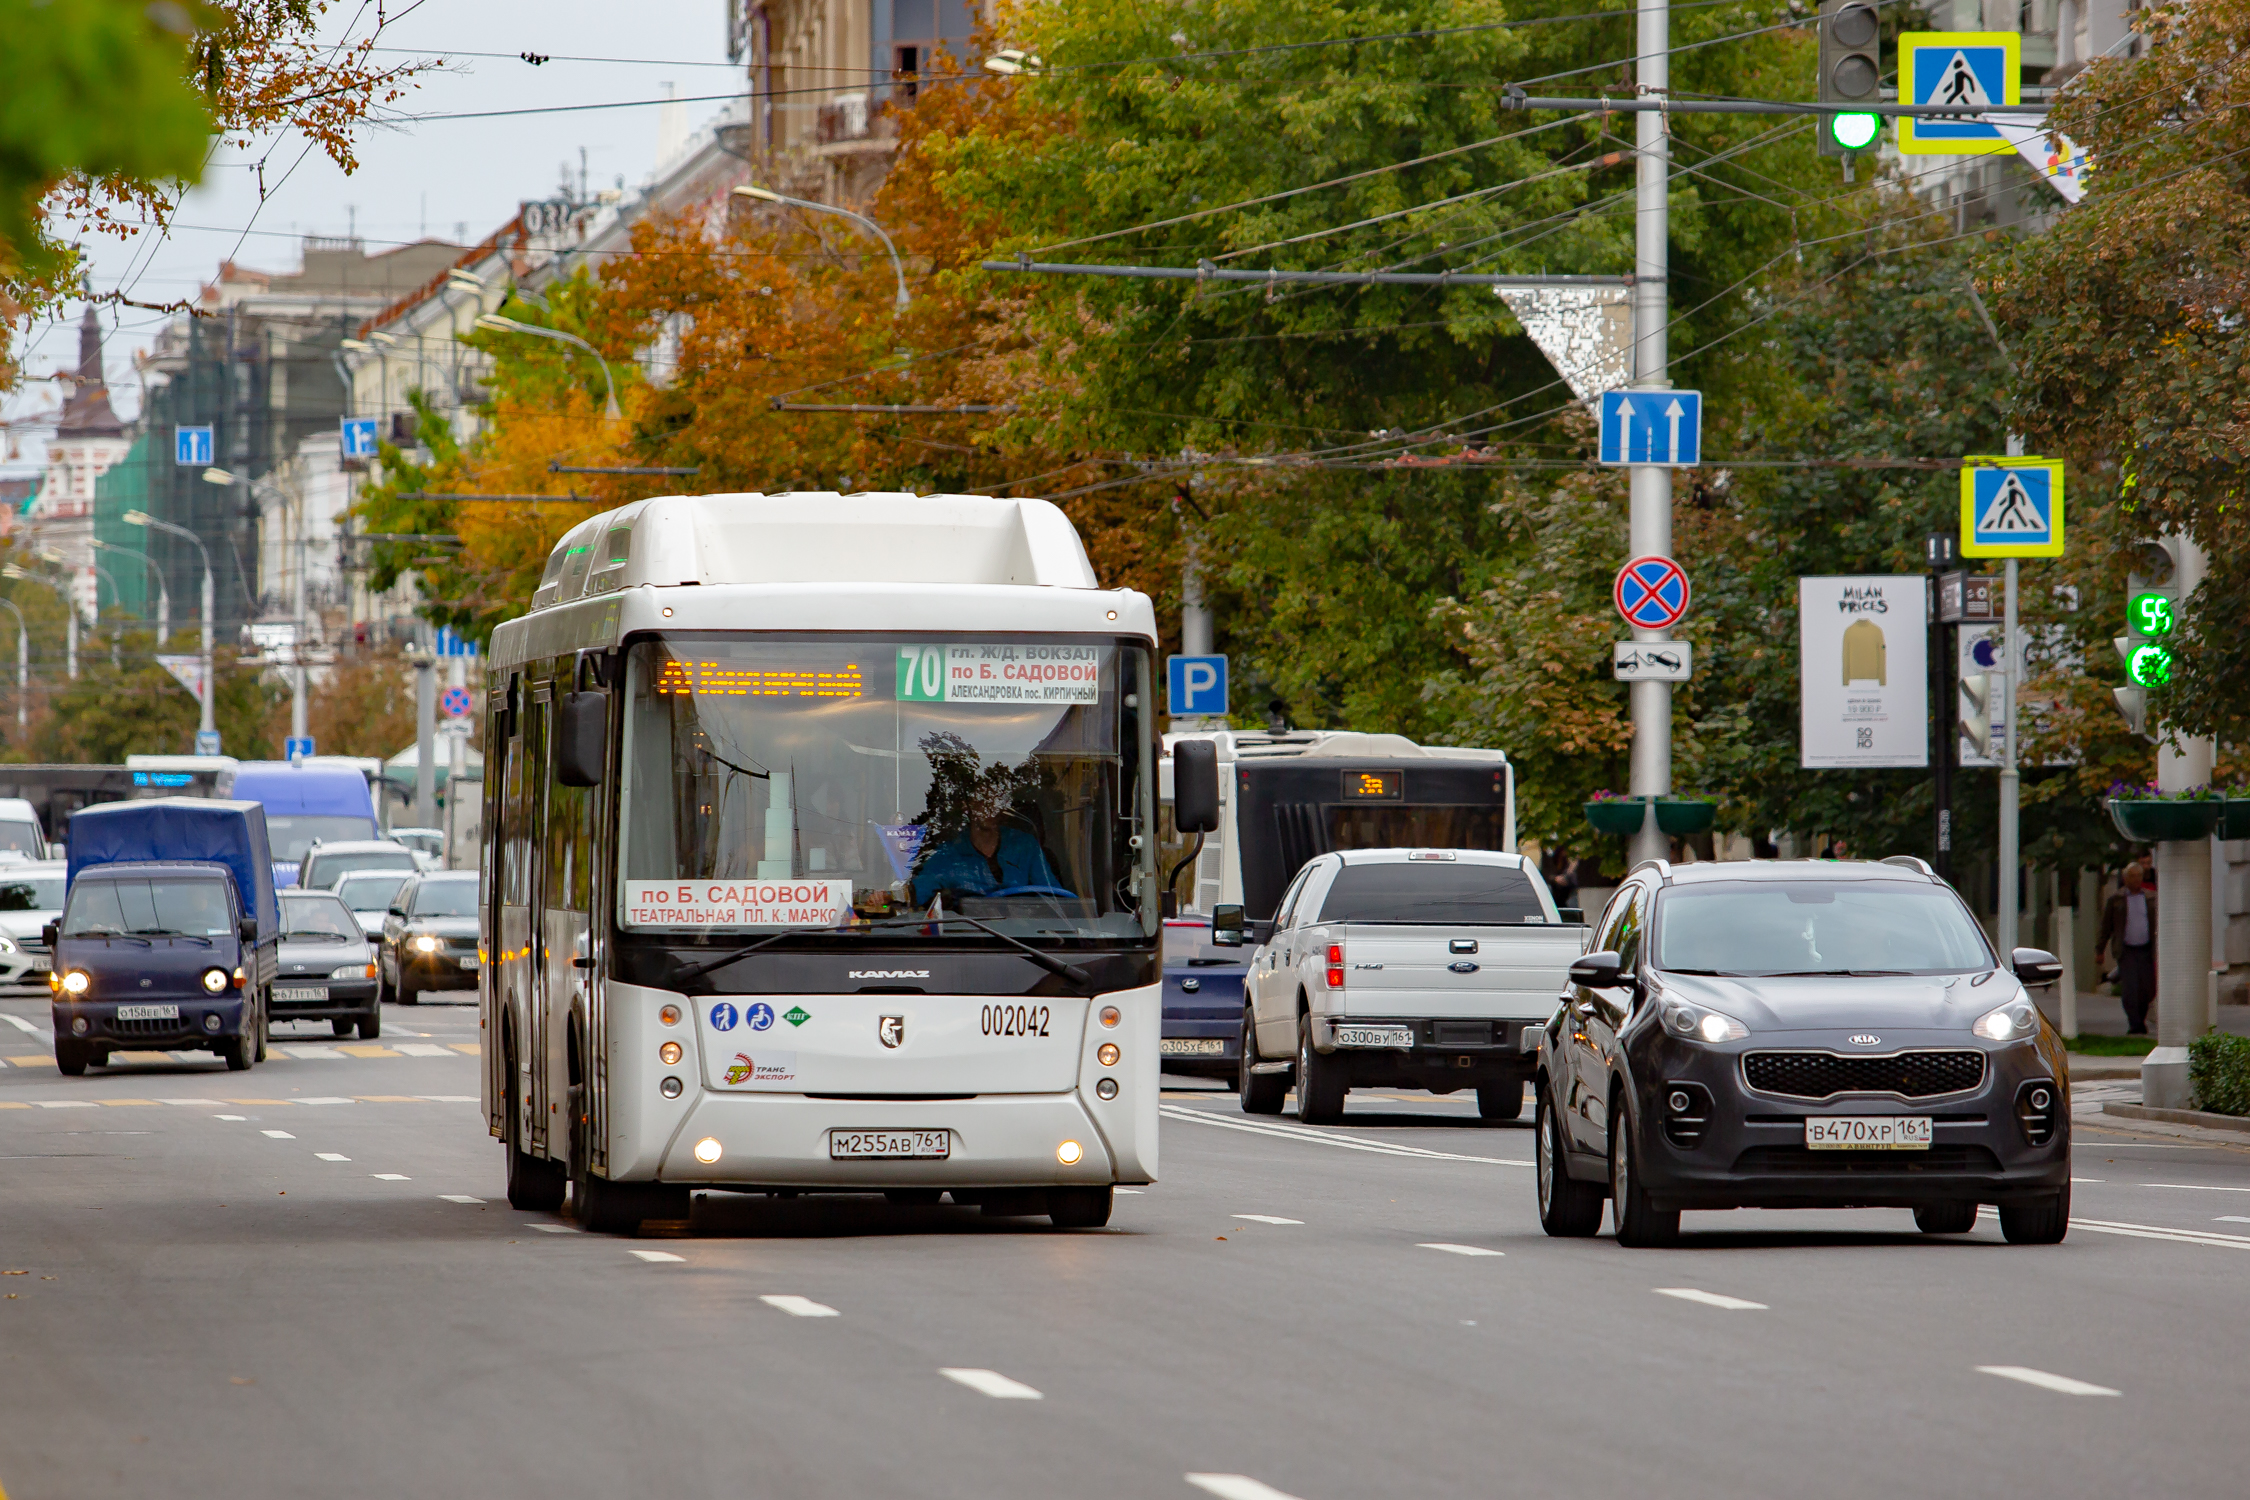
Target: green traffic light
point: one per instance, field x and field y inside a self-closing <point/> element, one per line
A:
<point x="2149" y="666"/>
<point x="2151" y="613"/>
<point x="1855" y="132"/>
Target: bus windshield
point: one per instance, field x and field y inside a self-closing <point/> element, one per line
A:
<point x="849" y="783"/>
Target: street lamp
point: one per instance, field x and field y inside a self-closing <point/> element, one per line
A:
<point x="23" y="666"/>
<point x="767" y="195"/>
<point x="493" y="322"/>
<point x="163" y="594"/>
<point x="70" y="613"/>
<point x="206" y="726"/>
<point x="1010" y="61"/>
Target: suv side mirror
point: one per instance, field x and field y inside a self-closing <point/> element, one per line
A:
<point x="1596" y="971"/>
<point x="2036" y="966"/>
<point x="48" y="934"/>
<point x="581" y="738"/>
<point x="247" y="929"/>
<point x="1195" y="786"/>
<point x="1226" y="921"/>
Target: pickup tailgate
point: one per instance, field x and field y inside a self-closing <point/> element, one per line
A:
<point x="1512" y="973"/>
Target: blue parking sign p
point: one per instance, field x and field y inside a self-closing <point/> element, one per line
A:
<point x="1198" y="685"/>
<point x="191" y="446"/>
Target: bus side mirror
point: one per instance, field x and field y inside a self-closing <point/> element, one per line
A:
<point x="581" y="736"/>
<point x="1226" y="924"/>
<point x="1195" y="786"/>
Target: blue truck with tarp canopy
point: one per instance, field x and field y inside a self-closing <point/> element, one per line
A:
<point x="170" y="933"/>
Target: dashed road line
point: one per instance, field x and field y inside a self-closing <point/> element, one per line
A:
<point x="993" y="1383"/>
<point x="1710" y="1299"/>
<point x="330" y="1156"/>
<point x="277" y="1135"/>
<point x="2193" y="1187"/>
<point x="2232" y="1219"/>
<point x="458" y="1198"/>
<point x="2047" y="1381"/>
<point x="390" y="1177"/>
<point x="800" y="1307"/>
<point x="1268" y="1219"/>
<point x="66" y="1104"/>
<point x="1458" y="1249"/>
<point x="657" y="1255"/>
<point x="1237" y="1487"/>
<point x="237" y="1118"/>
<point x="557" y="1228"/>
<point x="424" y="1049"/>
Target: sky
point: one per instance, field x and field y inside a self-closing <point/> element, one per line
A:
<point x="439" y="178"/>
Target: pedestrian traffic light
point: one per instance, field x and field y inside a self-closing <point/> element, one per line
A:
<point x="1851" y="72"/>
<point x="2152" y="612"/>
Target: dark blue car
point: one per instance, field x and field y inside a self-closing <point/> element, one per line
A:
<point x="1202" y="1001"/>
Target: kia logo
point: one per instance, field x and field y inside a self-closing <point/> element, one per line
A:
<point x="1864" y="1040"/>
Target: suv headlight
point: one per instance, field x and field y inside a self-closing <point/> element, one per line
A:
<point x="1702" y="1025"/>
<point x="426" y="943"/>
<point x="2016" y="1019"/>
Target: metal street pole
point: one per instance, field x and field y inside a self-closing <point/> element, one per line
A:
<point x="425" y="732"/>
<point x="2183" y="907"/>
<point x="2011" y="642"/>
<point x="70" y="614"/>
<point x="1650" y="525"/>
<point x="207" y="725"/>
<point x="23" y="666"/>
<point x="163" y="594"/>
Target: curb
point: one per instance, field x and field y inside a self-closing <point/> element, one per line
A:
<point x="2095" y="1069"/>
<point x="2239" y="1124"/>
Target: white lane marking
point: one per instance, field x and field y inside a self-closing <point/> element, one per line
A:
<point x="277" y="1135"/>
<point x="801" y="1307"/>
<point x="66" y="1104"/>
<point x="194" y="1104"/>
<point x="230" y="1117"/>
<point x="2158" y="1232"/>
<point x="2193" y="1187"/>
<point x="993" y="1383"/>
<point x="425" y="1049"/>
<point x="458" y="1198"/>
<point x="1267" y="1219"/>
<point x="1459" y="1249"/>
<point x="306" y="1049"/>
<point x="2086" y="1179"/>
<point x="657" y="1255"/>
<point x="1709" y="1299"/>
<point x="24" y="1026"/>
<point x="390" y="1177"/>
<point x="556" y="1228"/>
<point x="1325" y="1138"/>
<point x="2232" y="1219"/>
<point x="1237" y="1487"/>
<point x="2046" y="1381"/>
<point x="328" y="1099"/>
<point x="449" y="1098"/>
<point x="330" y="1156"/>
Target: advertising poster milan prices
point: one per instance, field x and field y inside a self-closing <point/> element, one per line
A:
<point x="1863" y="671"/>
<point x="737" y="901"/>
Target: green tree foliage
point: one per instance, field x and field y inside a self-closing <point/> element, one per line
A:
<point x="2127" y="319"/>
<point x="135" y="707"/>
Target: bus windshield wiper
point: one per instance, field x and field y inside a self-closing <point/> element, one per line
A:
<point x="1045" y="960"/>
<point x="706" y="966"/>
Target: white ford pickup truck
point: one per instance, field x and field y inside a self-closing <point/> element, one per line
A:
<point x="1401" y="968"/>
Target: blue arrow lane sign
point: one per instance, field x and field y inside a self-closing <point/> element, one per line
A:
<point x="358" y="436"/>
<point x="191" y="446"/>
<point x="1652" y="427"/>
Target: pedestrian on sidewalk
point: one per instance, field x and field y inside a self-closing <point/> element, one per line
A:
<point x="2129" y="919"/>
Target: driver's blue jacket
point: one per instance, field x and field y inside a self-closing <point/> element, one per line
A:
<point x="956" y="865"/>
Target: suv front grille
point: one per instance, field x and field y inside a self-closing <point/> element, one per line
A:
<point x="1824" y="1075"/>
<point x="1786" y="1160"/>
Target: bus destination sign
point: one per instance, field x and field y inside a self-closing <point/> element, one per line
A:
<point x="737" y="903"/>
<point x="1375" y="786"/>
<point x="1013" y="672"/>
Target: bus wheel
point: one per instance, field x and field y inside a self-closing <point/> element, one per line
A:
<point x="607" y="1207"/>
<point x="535" y="1184"/>
<point x="1079" y="1207"/>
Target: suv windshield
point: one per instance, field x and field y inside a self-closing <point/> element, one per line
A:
<point x="445" y="898"/>
<point x="836" y="783"/>
<point x="370" y="892"/>
<point x="1765" y="927"/>
<point x="177" y="907"/>
<point x="292" y="834"/>
<point x="1432" y="891"/>
<point x="318" y="919"/>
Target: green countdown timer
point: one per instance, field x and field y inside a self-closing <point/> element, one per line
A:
<point x="2150" y="614"/>
<point x="1855" y="132"/>
<point x="2149" y="666"/>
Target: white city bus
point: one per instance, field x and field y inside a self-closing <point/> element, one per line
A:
<point x="820" y="855"/>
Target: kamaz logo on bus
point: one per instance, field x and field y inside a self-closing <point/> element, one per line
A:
<point x="888" y="974"/>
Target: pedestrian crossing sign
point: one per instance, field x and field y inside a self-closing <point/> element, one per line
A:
<point x="1975" y="69"/>
<point x="2011" y="507"/>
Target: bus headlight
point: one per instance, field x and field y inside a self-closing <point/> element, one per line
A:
<point x="77" y="982"/>
<point x="1070" y="1153"/>
<point x="214" y="980"/>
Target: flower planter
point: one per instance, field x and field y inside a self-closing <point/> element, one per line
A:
<point x="2236" y="823"/>
<point x="1680" y="817"/>
<point x="2156" y="822"/>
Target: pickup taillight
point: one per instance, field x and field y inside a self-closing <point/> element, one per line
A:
<point x="1335" y="966"/>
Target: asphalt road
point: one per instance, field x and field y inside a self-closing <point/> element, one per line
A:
<point x="305" y="1280"/>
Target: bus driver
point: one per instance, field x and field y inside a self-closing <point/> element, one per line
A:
<point x="985" y="857"/>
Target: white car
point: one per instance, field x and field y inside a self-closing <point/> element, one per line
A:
<point x="428" y="845"/>
<point x="325" y="864"/>
<point x="31" y="896"/>
<point x="20" y="833"/>
<point x="371" y="894"/>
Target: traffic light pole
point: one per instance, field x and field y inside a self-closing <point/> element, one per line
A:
<point x="1650" y="526"/>
<point x="2183" y="897"/>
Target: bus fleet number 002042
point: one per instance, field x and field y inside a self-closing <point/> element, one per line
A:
<point x="1014" y="1020"/>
